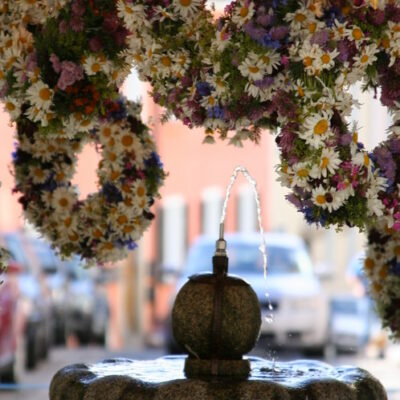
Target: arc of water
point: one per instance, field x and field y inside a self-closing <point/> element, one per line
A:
<point x="240" y="169"/>
<point x="253" y="184"/>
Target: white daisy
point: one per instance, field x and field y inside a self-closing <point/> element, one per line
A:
<point x="366" y="57"/>
<point x="328" y="163"/>
<point x="38" y="174"/>
<point x="355" y="34"/>
<point x="164" y="64"/>
<point x="301" y="173"/>
<point x="218" y="83"/>
<point x="325" y="59"/>
<point x="243" y="12"/>
<point x="316" y="129"/>
<point x="93" y="65"/>
<point x="129" y="142"/>
<point x="252" y="67"/>
<point x="308" y="54"/>
<point x="271" y="60"/>
<point x="63" y="200"/>
<point x="186" y="8"/>
<point x="37" y="115"/>
<point x="12" y="106"/>
<point x="319" y="197"/>
<point x="40" y="96"/>
<point x="362" y="160"/>
<point x="209" y="101"/>
<point x="221" y="40"/>
<point x="134" y="15"/>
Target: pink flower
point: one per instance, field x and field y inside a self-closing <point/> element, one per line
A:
<point x="76" y="24"/>
<point x="56" y="63"/>
<point x="95" y="44"/>
<point x="63" y="27"/>
<point x="70" y="73"/>
<point x="341" y="186"/>
<point x="396" y="226"/>
<point x="78" y="8"/>
<point x="285" y="60"/>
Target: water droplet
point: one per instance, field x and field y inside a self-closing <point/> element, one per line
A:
<point x="269" y="318"/>
<point x="270" y="307"/>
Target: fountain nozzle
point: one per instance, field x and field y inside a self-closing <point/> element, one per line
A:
<point x="220" y="244"/>
<point x="220" y="259"/>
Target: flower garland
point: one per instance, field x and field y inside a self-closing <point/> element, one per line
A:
<point x="382" y="267"/>
<point x="108" y="223"/>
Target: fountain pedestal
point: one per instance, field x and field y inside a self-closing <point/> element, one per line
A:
<point x="164" y="379"/>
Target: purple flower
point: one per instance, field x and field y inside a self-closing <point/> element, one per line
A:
<point x="286" y="139"/>
<point x="4" y="90"/>
<point x="256" y="115"/>
<point x="76" y="24"/>
<point x="377" y="17"/>
<point x="278" y="32"/>
<point x="95" y="44"/>
<point x="78" y="8"/>
<point x="385" y="161"/>
<point x="70" y="73"/>
<point x="31" y="61"/>
<point x="347" y="50"/>
<point x="320" y="38"/>
<point x="55" y="62"/>
<point x="345" y="139"/>
<point x="395" y="146"/>
<point x="292" y="198"/>
<point x="265" y="82"/>
<point x="254" y="32"/>
<point x="264" y="19"/>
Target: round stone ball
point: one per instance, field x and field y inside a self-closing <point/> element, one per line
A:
<point x="192" y="317"/>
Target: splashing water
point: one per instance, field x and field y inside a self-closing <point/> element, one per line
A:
<point x="269" y="318"/>
<point x="253" y="184"/>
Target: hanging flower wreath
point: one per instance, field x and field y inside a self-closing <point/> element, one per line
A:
<point x="108" y="223"/>
<point x="382" y="267"/>
<point x="63" y="64"/>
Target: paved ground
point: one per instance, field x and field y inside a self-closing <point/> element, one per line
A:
<point x="34" y="385"/>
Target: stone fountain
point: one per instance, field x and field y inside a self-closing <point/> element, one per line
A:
<point x="216" y="318"/>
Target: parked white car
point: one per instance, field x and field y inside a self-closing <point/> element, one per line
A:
<point x="300" y="311"/>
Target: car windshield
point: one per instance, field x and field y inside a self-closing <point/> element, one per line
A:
<point x="246" y="258"/>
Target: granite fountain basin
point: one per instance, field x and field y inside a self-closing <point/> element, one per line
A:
<point x="163" y="378"/>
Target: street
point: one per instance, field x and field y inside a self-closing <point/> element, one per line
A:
<point x="34" y="385"/>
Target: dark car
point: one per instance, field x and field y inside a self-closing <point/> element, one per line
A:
<point x="87" y="309"/>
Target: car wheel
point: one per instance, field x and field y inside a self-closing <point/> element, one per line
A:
<point x="30" y="352"/>
<point x="9" y="375"/>
<point x="318" y="352"/>
<point x="59" y="334"/>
